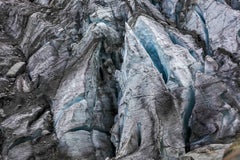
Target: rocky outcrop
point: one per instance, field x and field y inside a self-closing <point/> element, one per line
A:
<point x="105" y="79"/>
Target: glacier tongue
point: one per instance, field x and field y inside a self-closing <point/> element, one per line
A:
<point x="146" y="107"/>
<point x="153" y="33"/>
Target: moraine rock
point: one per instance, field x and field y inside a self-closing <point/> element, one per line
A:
<point x="208" y="152"/>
